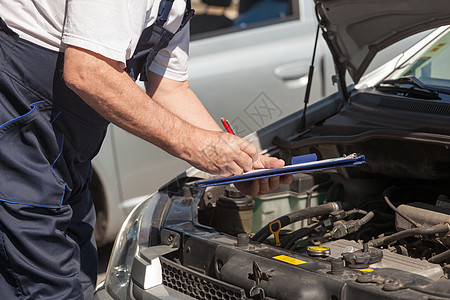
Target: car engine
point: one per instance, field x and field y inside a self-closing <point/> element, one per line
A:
<point x="408" y="222"/>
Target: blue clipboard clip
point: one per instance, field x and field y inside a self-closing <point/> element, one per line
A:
<point x="303" y="163"/>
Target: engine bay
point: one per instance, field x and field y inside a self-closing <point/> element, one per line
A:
<point x="397" y="202"/>
<point x="324" y="236"/>
<point x="380" y="227"/>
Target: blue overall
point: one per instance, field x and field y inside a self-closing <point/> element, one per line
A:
<point x="48" y="137"/>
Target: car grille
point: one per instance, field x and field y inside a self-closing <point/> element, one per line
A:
<point x="197" y="285"/>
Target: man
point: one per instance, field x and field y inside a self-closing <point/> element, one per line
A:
<point x="62" y="80"/>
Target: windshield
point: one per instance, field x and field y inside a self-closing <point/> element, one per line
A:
<point x="432" y="65"/>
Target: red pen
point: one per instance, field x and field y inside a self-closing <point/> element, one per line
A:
<point x="227" y="126"/>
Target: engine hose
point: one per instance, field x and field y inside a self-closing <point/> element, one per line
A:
<point x="309" y="212"/>
<point x="301" y="233"/>
<point x="440" y="257"/>
<point x="364" y="220"/>
<point x="392" y="206"/>
<point x="347" y="227"/>
<point x="424" y="230"/>
<point x="356" y="211"/>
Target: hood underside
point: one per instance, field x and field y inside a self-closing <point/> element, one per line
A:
<point x="356" y="30"/>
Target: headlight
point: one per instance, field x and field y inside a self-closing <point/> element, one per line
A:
<point x="134" y="234"/>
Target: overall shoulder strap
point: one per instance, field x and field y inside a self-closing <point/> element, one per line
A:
<point x="153" y="39"/>
<point x="163" y="12"/>
<point x="188" y="14"/>
<point x="164" y="9"/>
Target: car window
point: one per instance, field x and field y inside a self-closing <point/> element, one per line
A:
<point x="214" y="17"/>
<point x="432" y="65"/>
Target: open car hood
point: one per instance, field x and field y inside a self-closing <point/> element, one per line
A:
<point x="356" y="30"/>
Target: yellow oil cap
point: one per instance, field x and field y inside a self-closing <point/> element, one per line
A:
<point x="318" y="251"/>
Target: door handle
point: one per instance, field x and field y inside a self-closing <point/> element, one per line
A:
<point x="291" y="71"/>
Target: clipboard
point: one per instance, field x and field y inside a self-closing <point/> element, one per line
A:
<point x="305" y="163"/>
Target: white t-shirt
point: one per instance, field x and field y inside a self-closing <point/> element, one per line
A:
<point x="109" y="27"/>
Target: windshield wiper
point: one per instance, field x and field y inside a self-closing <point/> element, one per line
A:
<point x="408" y="86"/>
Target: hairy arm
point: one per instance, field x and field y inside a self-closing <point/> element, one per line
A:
<point x="179" y="99"/>
<point x="103" y="85"/>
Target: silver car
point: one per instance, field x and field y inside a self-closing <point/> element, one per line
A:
<point x="379" y="230"/>
<point x="249" y="63"/>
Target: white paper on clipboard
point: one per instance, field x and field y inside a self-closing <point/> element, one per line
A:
<point x="345" y="161"/>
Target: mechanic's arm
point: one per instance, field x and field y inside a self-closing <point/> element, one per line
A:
<point x="103" y="85"/>
<point x="179" y="99"/>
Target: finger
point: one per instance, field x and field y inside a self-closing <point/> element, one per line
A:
<point x="247" y="164"/>
<point x="244" y="161"/>
<point x="266" y="162"/>
<point x="249" y="149"/>
<point x="264" y="186"/>
<point x="233" y="169"/>
<point x="254" y="188"/>
<point x="286" y="179"/>
<point x="274" y="183"/>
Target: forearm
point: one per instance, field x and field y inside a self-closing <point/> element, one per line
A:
<point x="179" y="99"/>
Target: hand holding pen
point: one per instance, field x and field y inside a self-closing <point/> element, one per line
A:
<point x="265" y="185"/>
